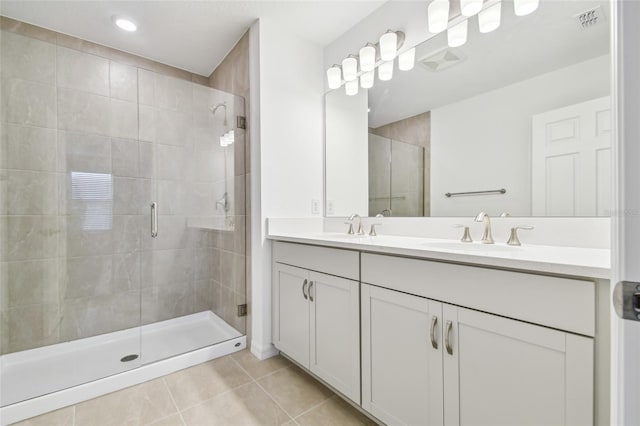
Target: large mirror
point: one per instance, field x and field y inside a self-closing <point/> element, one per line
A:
<point x="516" y="121"/>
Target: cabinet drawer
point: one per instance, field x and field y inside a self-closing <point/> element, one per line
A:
<point x="562" y="303"/>
<point x="338" y="262"/>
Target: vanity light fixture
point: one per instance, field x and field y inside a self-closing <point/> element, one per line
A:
<point x="124" y="24"/>
<point x="470" y="7"/>
<point x="407" y="60"/>
<point x="366" y="79"/>
<point x="364" y="66"/>
<point x="489" y="18"/>
<point x="385" y="71"/>
<point x="368" y="58"/>
<point x="350" y="68"/>
<point x="388" y="45"/>
<point x="525" y="7"/>
<point x="438" y="14"/>
<point x="334" y="77"/>
<point x="457" y="35"/>
<point x="351" y="87"/>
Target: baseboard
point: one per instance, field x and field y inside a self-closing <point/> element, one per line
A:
<point x="263" y="352"/>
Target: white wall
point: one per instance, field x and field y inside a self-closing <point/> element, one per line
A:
<point x="484" y="142"/>
<point x="287" y="131"/>
<point x="347" y="153"/>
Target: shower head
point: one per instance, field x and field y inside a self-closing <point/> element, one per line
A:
<point x="214" y="108"/>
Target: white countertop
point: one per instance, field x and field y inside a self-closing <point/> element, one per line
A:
<point x="570" y="261"/>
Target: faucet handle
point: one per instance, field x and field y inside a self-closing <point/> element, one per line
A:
<point x="466" y="238"/>
<point x="350" y="232"/>
<point x="513" y="238"/>
<point x="372" y="231"/>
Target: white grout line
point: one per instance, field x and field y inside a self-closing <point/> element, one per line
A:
<point x="174" y="401"/>
<point x="73" y="418"/>
<point x="314" y="407"/>
<point x="273" y="372"/>
<point x="263" y="389"/>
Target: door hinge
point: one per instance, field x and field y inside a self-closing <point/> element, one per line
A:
<point x="242" y="310"/>
<point x="241" y="122"/>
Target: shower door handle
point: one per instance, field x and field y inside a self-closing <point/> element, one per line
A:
<point x="154" y="220"/>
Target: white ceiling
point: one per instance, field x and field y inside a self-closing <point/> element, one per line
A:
<point x="191" y="35"/>
<point x="522" y="48"/>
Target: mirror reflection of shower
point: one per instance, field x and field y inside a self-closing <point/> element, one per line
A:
<point x="226" y="140"/>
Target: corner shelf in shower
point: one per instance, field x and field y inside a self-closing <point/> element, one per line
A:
<point x="218" y="223"/>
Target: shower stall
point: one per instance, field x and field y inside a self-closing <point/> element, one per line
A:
<point x="118" y="261"/>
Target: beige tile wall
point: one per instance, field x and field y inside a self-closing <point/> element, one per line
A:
<point x="72" y="266"/>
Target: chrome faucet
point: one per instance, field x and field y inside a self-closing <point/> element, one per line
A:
<point x="360" y="227"/>
<point x="486" y="236"/>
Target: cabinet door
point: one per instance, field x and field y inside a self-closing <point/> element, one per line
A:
<point x="514" y="373"/>
<point x="335" y="332"/>
<point x="402" y="374"/>
<point x="291" y="312"/>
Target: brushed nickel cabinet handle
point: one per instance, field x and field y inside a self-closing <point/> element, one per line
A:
<point x="447" y="337"/>
<point x="432" y="332"/>
<point x="310" y="287"/>
<point x="154" y="220"/>
<point x="304" y="289"/>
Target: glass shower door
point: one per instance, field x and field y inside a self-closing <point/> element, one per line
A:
<point x="193" y="274"/>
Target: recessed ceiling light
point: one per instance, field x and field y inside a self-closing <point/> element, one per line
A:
<point x="125" y="24"/>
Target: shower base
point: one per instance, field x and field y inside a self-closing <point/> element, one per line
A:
<point x="43" y="379"/>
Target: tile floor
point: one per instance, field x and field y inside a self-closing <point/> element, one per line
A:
<point x="237" y="389"/>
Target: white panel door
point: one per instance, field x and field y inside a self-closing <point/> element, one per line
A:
<point x="291" y="312"/>
<point x="514" y="373"/>
<point x="335" y="332"/>
<point x="571" y="155"/>
<point x="401" y="363"/>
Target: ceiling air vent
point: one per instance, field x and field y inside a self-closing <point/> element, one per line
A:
<point x="590" y="18"/>
<point x="441" y="60"/>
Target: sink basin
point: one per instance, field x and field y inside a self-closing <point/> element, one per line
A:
<point x="474" y="247"/>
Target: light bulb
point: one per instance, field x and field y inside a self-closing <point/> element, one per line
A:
<point x="407" y="59"/>
<point x="438" y="12"/>
<point x="525" y="7"/>
<point x="489" y="19"/>
<point x="457" y="35"/>
<point x="349" y="68"/>
<point x="366" y="79"/>
<point x="334" y="77"/>
<point x="388" y="45"/>
<point x="125" y="24"/>
<point x="368" y="57"/>
<point x="385" y="71"/>
<point x="351" y="87"/>
<point x="470" y="7"/>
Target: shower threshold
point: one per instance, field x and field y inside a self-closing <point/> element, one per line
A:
<point x="39" y="380"/>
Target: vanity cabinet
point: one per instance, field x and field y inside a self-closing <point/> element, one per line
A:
<point x="316" y="319"/>
<point x="439" y="343"/>
<point x="402" y="370"/>
<point x="432" y="363"/>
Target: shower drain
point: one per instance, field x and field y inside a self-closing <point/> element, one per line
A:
<point x="128" y="358"/>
